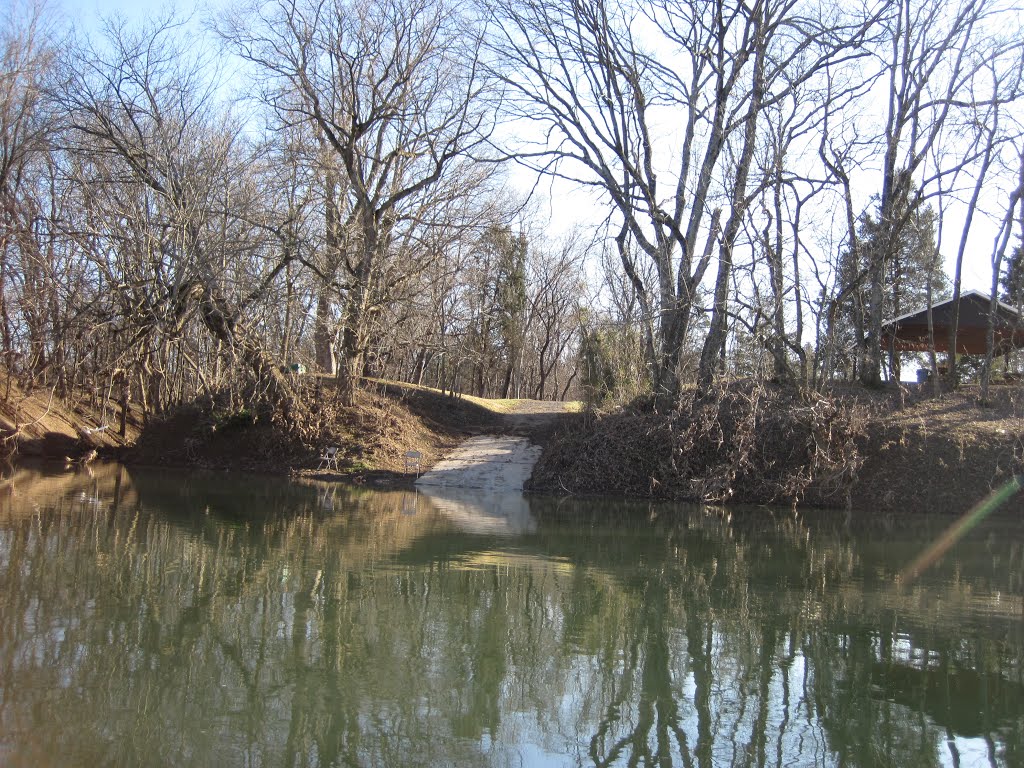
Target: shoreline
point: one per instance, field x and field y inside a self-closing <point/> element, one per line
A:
<point x="890" y="451"/>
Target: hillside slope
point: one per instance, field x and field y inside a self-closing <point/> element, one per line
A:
<point x="41" y="424"/>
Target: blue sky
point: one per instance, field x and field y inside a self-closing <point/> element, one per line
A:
<point x="88" y="12"/>
<point x="85" y="15"/>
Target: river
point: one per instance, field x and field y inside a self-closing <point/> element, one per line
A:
<point x="182" y="619"/>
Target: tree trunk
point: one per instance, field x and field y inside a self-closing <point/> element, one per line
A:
<point x="125" y="399"/>
<point x="350" y="369"/>
<point x="709" y="355"/>
<point x="871" y="369"/>
<point x="353" y="346"/>
<point x="226" y="328"/>
<point x="675" y="320"/>
<point x="419" y="366"/>
<point x="773" y="250"/>
<point x="715" y="341"/>
<point x="508" y="381"/>
<point x="323" y="339"/>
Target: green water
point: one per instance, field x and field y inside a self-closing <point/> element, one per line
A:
<point x="180" y="620"/>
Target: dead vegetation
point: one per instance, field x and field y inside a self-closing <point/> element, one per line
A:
<point x="373" y="434"/>
<point x="752" y="442"/>
<point x="746" y="442"/>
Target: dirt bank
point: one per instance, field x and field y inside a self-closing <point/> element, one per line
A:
<point x="373" y="436"/>
<point x="895" y="450"/>
<point x="888" y="451"/>
<point x="41" y="424"/>
<point x="942" y="454"/>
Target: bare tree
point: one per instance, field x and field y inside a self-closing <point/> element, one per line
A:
<point x="153" y="149"/>
<point x="393" y="89"/>
<point x="988" y="133"/>
<point x="587" y="73"/>
<point x="999" y="246"/>
<point x="556" y="294"/>
<point x="26" y="126"/>
<point x="933" y="54"/>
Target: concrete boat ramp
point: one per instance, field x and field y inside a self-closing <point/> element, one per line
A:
<point x="494" y="463"/>
<point x="479" y="485"/>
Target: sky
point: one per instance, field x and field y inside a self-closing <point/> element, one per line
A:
<point x="89" y="11"/>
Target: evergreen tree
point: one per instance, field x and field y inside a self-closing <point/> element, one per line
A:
<point x="911" y="262"/>
<point x="1012" y="279"/>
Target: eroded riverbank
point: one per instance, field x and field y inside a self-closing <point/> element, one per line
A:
<point x="889" y="451"/>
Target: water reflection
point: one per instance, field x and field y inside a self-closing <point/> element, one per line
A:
<point x="192" y="620"/>
<point x="482" y="512"/>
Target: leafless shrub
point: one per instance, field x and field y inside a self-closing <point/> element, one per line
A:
<point x="746" y="442"/>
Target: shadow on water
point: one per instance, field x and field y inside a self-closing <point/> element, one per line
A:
<point x="193" y="620"/>
<point x="960" y="700"/>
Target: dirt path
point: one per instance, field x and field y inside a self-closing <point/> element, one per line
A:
<point x="535" y="418"/>
<point x="550" y="408"/>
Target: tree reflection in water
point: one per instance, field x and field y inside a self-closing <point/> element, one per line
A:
<point x="236" y="621"/>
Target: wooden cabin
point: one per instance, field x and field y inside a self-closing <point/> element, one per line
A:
<point x="909" y="332"/>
